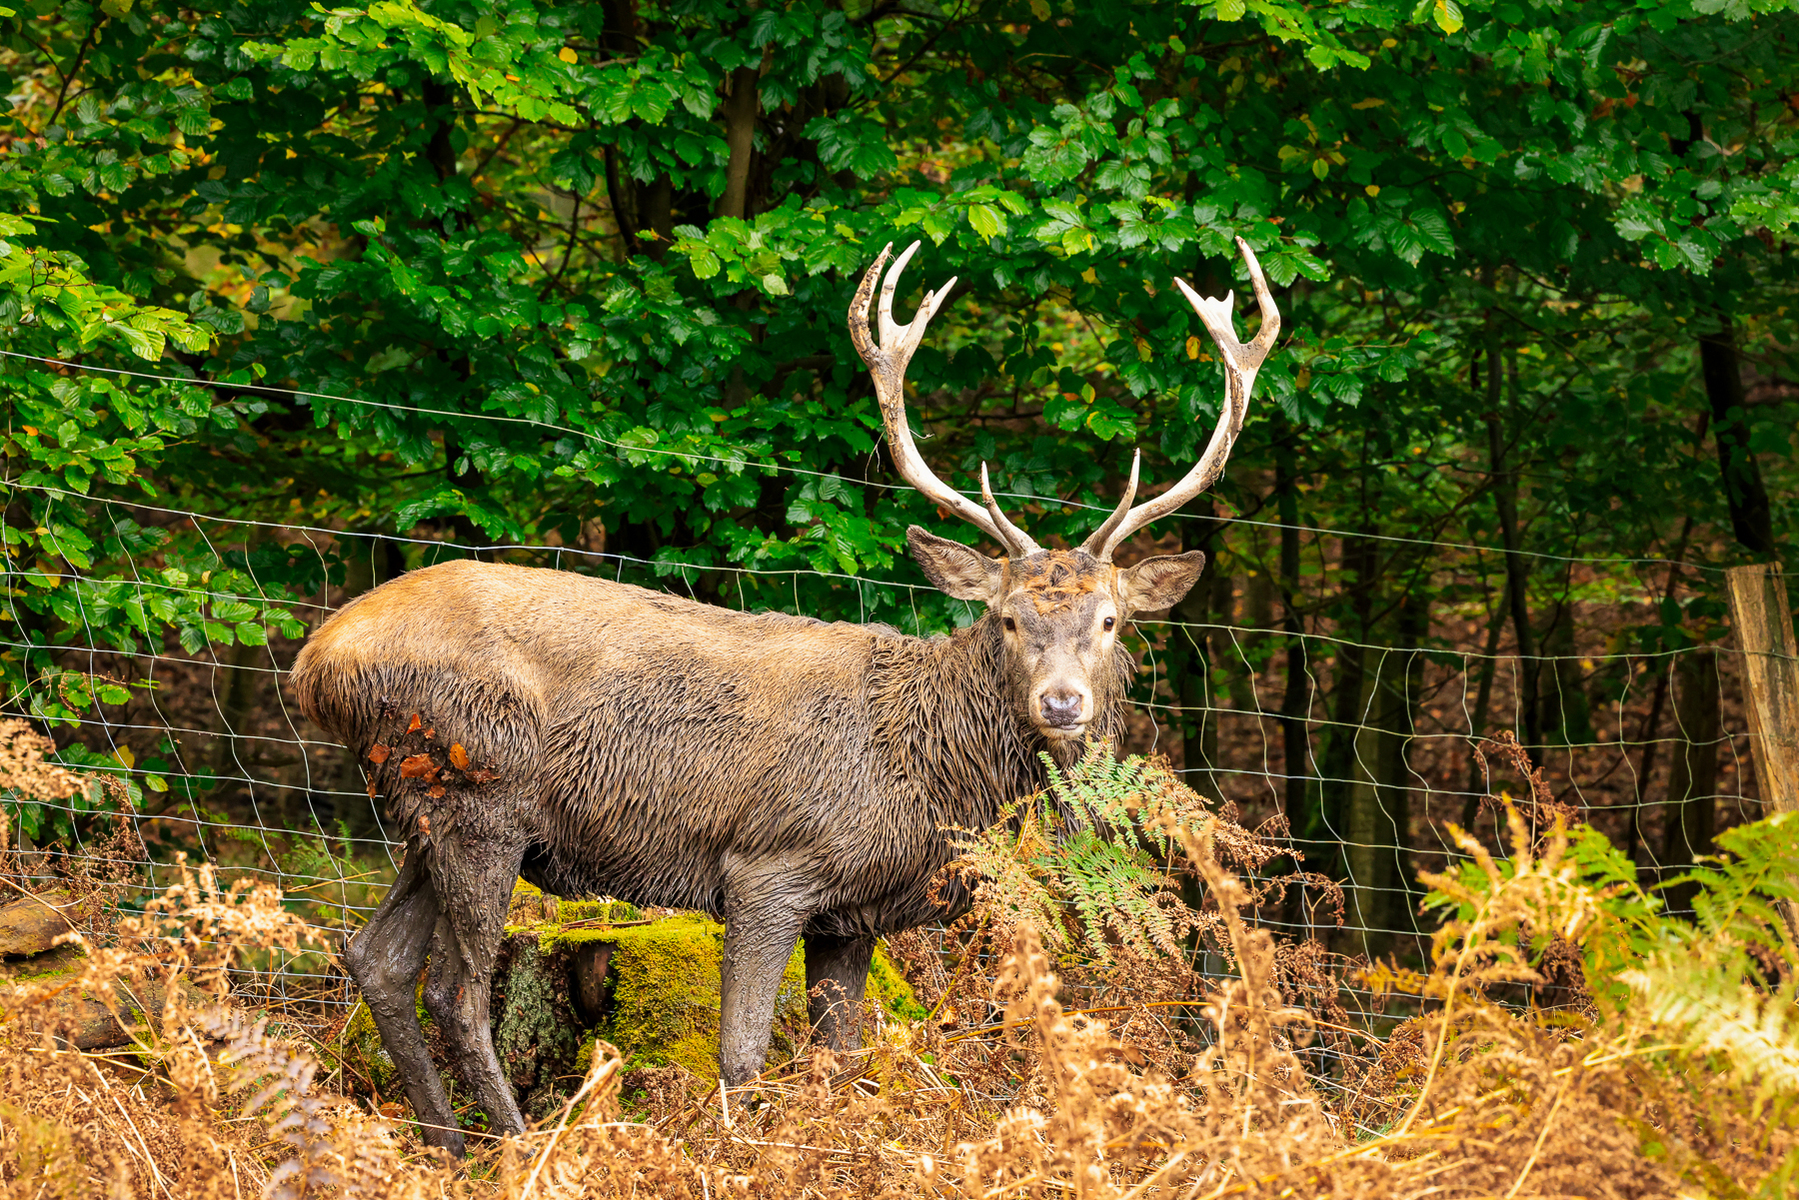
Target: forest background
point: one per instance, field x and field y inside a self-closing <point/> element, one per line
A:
<point x="296" y="298"/>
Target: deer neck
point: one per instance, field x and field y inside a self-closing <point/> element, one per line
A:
<point x="942" y="711"/>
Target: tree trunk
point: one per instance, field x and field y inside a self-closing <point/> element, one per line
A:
<point x="1224" y="599"/>
<point x="1190" y="657"/>
<point x="1562" y="697"/>
<point x="1350" y="803"/>
<point x="1751" y="515"/>
<point x="740" y="110"/>
<point x="440" y="147"/>
<point x="1246" y="656"/>
<point x="1693" y="779"/>
<point x="1400" y="687"/>
<point x="1295" y="744"/>
<point x="1646" y="734"/>
<point x="1505" y="500"/>
<point x="1483" y="705"/>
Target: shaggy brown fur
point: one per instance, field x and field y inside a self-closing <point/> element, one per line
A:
<point x="788" y="776"/>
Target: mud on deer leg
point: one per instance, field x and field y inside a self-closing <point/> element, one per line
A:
<point x="384" y="958"/>
<point x="759" y="939"/>
<point x="474" y="880"/>
<point x="836" y="977"/>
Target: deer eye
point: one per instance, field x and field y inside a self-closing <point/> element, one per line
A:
<point x="1110" y="622"/>
<point x="1011" y="625"/>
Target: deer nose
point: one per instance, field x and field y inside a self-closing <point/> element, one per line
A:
<point x="1061" y="709"/>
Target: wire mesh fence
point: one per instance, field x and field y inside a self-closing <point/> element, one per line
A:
<point x="1283" y="687"/>
<point x="1366" y="752"/>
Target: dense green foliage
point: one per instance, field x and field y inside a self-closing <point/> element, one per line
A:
<point x="538" y="273"/>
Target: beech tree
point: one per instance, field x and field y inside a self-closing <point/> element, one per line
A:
<point x="534" y="274"/>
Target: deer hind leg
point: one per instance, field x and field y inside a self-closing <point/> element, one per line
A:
<point x="760" y="934"/>
<point x="384" y="958"/>
<point x="836" y="977"/>
<point x="474" y="876"/>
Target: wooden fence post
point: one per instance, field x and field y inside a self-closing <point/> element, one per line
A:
<point x="1764" y="629"/>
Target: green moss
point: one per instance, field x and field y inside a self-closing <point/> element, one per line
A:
<point x="596" y="910"/>
<point x="60" y="960"/>
<point x="888" y="986"/>
<point x="535" y="1032"/>
<point x="665" y="995"/>
<point x="662" y="1004"/>
<point x="364" y="1059"/>
<point x="530" y="909"/>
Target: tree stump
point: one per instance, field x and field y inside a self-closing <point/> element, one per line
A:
<point x="574" y="973"/>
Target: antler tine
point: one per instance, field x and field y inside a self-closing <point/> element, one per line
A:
<point x="1241" y="362"/>
<point x="1017" y="542"/>
<point x="1097" y="540"/>
<point x="887" y="365"/>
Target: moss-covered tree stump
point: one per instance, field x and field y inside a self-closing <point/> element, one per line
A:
<point x="571" y="973"/>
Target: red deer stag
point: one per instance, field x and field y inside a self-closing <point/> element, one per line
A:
<point x="791" y="777"/>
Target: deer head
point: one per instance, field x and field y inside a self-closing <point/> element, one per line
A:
<point x="1062" y="611"/>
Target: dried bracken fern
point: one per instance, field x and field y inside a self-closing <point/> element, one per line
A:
<point x="1114" y="1076"/>
<point x="26" y="770"/>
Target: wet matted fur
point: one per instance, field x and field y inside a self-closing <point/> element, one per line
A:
<point x="785" y="775"/>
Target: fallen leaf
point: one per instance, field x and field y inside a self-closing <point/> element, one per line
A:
<point x="418" y="766"/>
<point x="425" y="824"/>
<point x="416" y="722"/>
<point x="458" y="756"/>
<point x="378" y="753"/>
<point x="431" y="732"/>
<point x="436" y="792"/>
<point x="483" y="775"/>
<point x="371" y="789"/>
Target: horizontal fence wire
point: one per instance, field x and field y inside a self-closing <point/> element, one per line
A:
<point x="253" y="788"/>
<point x="1365" y="749"/>
<point x="773" y="468"/>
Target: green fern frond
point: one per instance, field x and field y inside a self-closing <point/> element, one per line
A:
<point x="1714" y="1010"/>
<point x="1086" y="861"/>
<point x="1741" y="891"/>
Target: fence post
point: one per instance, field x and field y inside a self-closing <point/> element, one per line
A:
<point x="1764" y="629"/>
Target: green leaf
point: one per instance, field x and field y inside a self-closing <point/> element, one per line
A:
<point x="986" y="219"/>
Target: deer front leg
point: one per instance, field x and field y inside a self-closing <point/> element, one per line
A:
<point x="384" y="959"/>
<point x="474" y="877"/>
<point x="762" y="926"/>
<point x="836" y="977"/>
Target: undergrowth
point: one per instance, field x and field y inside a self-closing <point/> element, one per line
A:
<point x="1074" y="1044"/>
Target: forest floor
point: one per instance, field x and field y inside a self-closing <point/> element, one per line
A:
<point x="1029" y="1059"/>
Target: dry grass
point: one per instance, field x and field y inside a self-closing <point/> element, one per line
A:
<point x="1164" y="1085"/>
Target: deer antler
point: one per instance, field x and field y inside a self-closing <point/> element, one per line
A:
<point x="887" y="364"/>
<point x="1241" y="362"/>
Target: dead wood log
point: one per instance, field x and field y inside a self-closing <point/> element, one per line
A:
<point x="31" y="924"/>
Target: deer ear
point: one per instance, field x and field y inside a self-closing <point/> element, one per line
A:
<point x="955" y="569"/>
<point x="1160" y="582"/>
